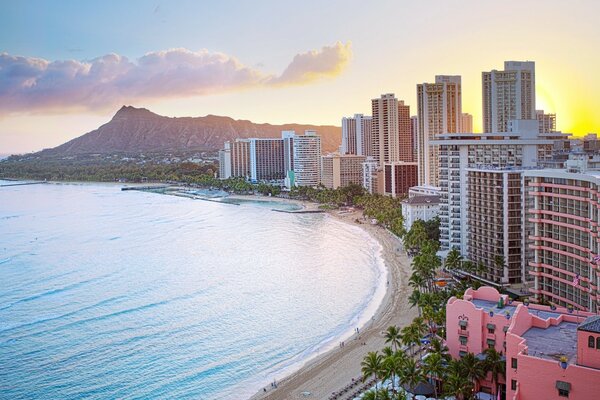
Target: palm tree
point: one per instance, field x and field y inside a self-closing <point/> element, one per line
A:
<point x="411" y="335"/>
<point x="472" y="368"/>
<point x="453" y="259"/>
<point x="494" y="364"/>
<point x="433" y="366"/>
<point x="414" y="299"/>
<point x="457" y="385"/>
<point x="392" y="336"/>
<point x="411" y="375"/>
<point x="499" y="263"/>
<point x="392" y="366"/>
<point x="371" y="365"/>
<point x="437" y="346"/>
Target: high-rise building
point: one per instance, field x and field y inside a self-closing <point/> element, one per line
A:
<point x="339" y="170"/>
<point x="406" y="143"/>
<point x="481" y="212"/>
<point x="466" y="123"/>
<point x="564" y="230"/>
<point x="267" y="160"/>
<point x="399" y="177"/>
<point x="307" y="158"/>
<point x="439" y="108"/>
<point x="414" y="131"/>
<point x="547" y="121"/>
<point x="508" y="95"/>
<point x="370" y="181"/>
<point x="240" y="158"/>
<point x="391" y="136"/>
<point x="356" y="135"/>
<point x="225" y="161"/>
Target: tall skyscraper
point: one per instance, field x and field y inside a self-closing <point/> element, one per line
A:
<point x="386" y="139"/>
<point x="439" y="109"/>
<point x="547" y="121"/>
<point x="466" y="123"/>
<point x="266" y="160"/>
<point x="240" y="158"/>
<point x="391" y="136"/>
<point x="481" y="211"/>
<point x="307" y="159"/>
<point x="356" y="135"/>
<point x="508" y="95"/>
<point x="414" y="131"/>
<point x="225" y="161"/>
<point x="406" y="152"/>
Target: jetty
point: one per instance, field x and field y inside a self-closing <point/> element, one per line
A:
<point x="143" y="188"/>
<point x="299" y="211"/>
<point x="24" y="183"/>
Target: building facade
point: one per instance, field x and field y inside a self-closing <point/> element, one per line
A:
<point x="240" y="158"/>
<point x="399" y="177"/>
<point x="356" y="135"/>
<point x="508" y="95"/>
<point x="564" y="235"/>
<point x="421" y="207"/>
<point x="466" y="123"/>
<point x="478" y="171"/>
<point x="225" y="161"/>
<point x="307" y="159"/>
<point x="439" y="110"/>
<point x="547" y="121"/>
<point x="267" y="160"/>
<point x="532" y="338"/>
<point x="340" y="170"/>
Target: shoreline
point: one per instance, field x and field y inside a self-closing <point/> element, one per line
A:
<point x="331" y="370"/>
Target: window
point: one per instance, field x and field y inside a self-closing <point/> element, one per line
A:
<point x="513" y="363"/>
<point x="598" y="342"/>
<point x="490" y="330"/>
<point x="591" y="341"/>
<point x="463" y="340"/>
<point x="513" y="384"/>
<point x="563" y="388"/>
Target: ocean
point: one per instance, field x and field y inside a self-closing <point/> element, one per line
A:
<point x="126" y="294"/>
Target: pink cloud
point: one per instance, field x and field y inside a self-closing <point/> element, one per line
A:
<point x="33" y="84"/>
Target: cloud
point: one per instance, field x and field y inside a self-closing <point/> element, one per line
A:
<point x="33" y="84"/>
<point x="313" y="65"/>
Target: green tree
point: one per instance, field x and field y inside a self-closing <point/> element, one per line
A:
<point x="393" y="337"/>
<point x="453" y="259"/>
<point x="372" y="366"/>
<point x="495" y="365"/>
<point x="433" y="366"/>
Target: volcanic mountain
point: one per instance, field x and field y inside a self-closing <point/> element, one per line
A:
<point x="134" y="130"/>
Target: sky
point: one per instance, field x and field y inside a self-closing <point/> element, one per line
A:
<point x="67" y="66"/>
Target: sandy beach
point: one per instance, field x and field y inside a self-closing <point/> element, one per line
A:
<point x="334" y="369"/>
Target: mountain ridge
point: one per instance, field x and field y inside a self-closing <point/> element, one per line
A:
<point x="134" y="129"/>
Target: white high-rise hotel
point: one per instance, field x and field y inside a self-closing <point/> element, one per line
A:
<point x="508" y="95"/>
<point x="439" y="109"/>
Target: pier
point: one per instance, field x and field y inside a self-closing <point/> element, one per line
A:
<point x="24" y="183"/>
<point x="299" y="211"/>
<point x="142" y="188"/>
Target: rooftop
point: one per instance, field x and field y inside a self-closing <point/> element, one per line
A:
<point x="493" y="306"/>
<point x="419" y="200"/>
<point x="553" y="342"/>
<point x="591" y="324"/>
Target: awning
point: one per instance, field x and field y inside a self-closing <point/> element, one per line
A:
<point x="491" y="326"/>
<point x="462" y="322"/>
<point x="491" y="342"/>
<point x="563" y="385"/>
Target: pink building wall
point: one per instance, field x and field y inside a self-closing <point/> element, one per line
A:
<point x="535" y="377"/>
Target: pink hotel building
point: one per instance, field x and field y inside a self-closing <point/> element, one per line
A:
<point x="551" y="353"/>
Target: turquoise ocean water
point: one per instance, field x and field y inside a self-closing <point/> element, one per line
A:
<point x="131" y="295"/>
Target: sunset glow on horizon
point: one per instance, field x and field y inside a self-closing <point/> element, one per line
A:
<point x="66" y="67"/>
